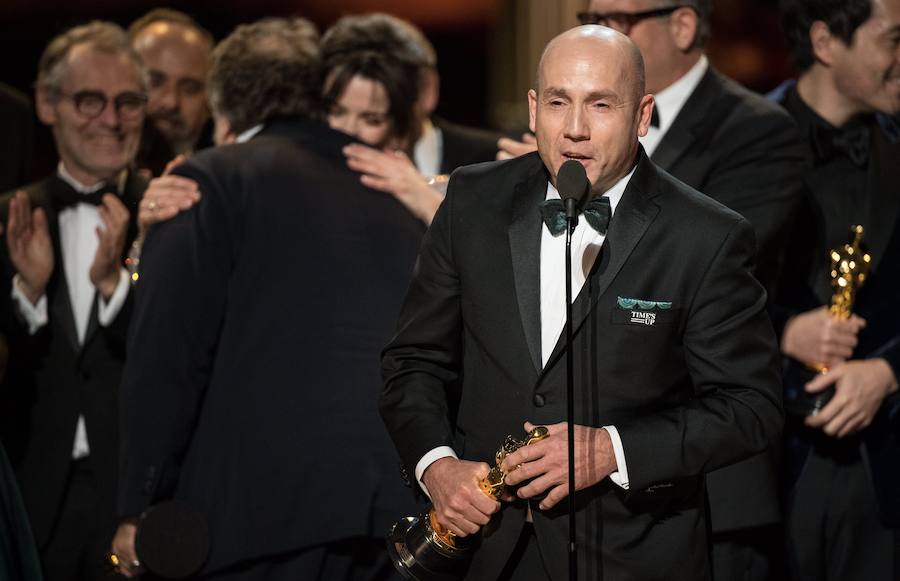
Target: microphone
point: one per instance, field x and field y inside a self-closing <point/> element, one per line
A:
<point x="574" y="188"/>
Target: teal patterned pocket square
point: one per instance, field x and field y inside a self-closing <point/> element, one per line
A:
<point x="644" y="305"/>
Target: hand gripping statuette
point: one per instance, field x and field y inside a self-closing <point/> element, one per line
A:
<point x="849" y="269"/>
<point x="423" y="550"/>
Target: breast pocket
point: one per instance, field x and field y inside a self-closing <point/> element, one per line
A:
<point x="645" y="318"/>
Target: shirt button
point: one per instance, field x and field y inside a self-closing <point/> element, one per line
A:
<point x="539" y="400"/>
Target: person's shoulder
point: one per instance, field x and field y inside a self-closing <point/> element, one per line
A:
<point x="38" y="192"/>
<point x="515" y="168"/>
<point x="691" y="207"/>
<point x="749" y="106"/>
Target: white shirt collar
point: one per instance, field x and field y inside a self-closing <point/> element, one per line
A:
<point x="65" y="176"/>
<point x="429" y="150"/>
<point x="614" y="193"/>
<point x="249" y="134"/>
<point x="670" y="100"/>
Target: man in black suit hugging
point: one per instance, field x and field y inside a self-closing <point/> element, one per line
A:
<point x="252" y="382"/>
<point x="657" y="405"/>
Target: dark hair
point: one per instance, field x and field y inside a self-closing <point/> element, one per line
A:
<point x="704" y="9"/>
<point x="380" y="48"/>
<point x="265" y="70"/>
<point x="842" y="17"/>
<point x="172" y="17"/>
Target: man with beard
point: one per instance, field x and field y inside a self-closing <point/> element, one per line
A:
<point x="175" y="50"/>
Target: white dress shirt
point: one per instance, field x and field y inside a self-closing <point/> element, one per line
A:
<point x="429" y="150"/>
<point x="78" y="243"/>
<point x="586" y="243"/>
<point x="670" y="101"/>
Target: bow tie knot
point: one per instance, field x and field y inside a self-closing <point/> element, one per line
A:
<point x="65" y="196"/>
<point x="852" y="141"/>
<point x="597" y="213"/>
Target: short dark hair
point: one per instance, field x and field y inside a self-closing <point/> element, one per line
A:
<point x="842" y="17"/>
<point x="105" y="37"/>
<point x="381" y="48"/>
<point x="704" y="9"/>
<point x="264" y="70"/>
<point x="172" y="17"/>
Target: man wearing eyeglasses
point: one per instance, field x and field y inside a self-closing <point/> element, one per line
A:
<point x="737" y="148"/>
<point x="66" y="297"/>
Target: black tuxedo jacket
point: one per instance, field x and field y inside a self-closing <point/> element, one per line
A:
<point x="695" y="390"/>
<point x="252" y="383"/>
<point x="465" y="145"/>
<point x="52" y="380"/>
<point x="743" y="151"/>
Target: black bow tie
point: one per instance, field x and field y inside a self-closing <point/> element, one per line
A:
<point x="65" y="196"/>
<point x="597" y="214"/>
<point x="852" y="141"/>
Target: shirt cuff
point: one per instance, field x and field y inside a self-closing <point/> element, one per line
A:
<point x="429" y="459"/>
<point x="107" y="311"/>
<point x="35" y="315"/>
<point x="620" y="476"/>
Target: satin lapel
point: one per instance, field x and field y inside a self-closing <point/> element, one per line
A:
<point x="703" y="109"/>
<point x="884" y="175"/>
<point x="58" y="290"/>
<point x="633" y="216"/>
<point x="525" y="250"/>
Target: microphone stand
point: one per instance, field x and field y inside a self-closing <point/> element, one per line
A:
<point x="571" y="222"/>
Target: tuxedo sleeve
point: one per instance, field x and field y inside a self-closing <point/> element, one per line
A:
<point x="424" y="355"/>
<point x="732" y="361"/>
<point x="178" y="311"/>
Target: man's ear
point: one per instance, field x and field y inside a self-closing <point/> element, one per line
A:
<point x="532" y="109"/>
<point x="822" y="42"/>
<point x="45" y="106"/>
<point x="645" y="111"/>
<point x="684" y="26"/>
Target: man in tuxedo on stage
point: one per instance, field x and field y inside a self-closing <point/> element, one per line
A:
<point x="67" y="298"/>
<point x="675" y="364"/>
<point x="843" y="463"/>
<point x="739" y="149"/>
<point x="252" y="381"/>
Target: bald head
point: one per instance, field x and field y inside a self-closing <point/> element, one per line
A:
<point x="599" y="42"/>
<point x="589" y="104"/>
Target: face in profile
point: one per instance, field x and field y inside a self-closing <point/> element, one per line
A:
<point x="177" y="58"/>
<point x="361" y="110"/>
<point x="868" y="70"/>
<point x="97" y="116"/>
<point x="588" y="105"/>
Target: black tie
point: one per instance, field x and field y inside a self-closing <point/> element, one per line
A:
<point x="597" y="214"/>
<point x="852" y="141"/>
<point x="65" y="196"/>
<point x="654" y="118"/>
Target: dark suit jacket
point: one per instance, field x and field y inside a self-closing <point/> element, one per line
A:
<point x="465" y="145"/>
<point x="252" y="384"/>
<point x="744" y="152"/>
<point x="52" y="381"/>
<point x="696" y="390"/>
<point x="824" y="224"/>
<point x="16" y="138"/>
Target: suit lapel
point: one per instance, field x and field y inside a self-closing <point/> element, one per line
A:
<point x="633" y="216"/>
<point x="525" y="249"/>
<point x="704" y="108"/>
<point x="58" y="290"/>
<point x="884" y="175"/>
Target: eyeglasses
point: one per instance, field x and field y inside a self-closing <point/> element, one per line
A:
<point x="129" y="105"/>
<point x="624" y="21"/>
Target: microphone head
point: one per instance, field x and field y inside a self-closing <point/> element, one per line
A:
<point x="572" y="183"/>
